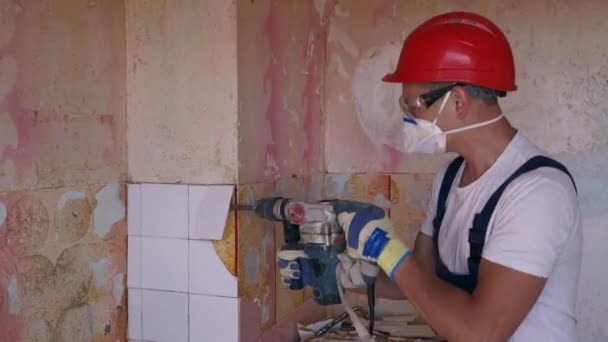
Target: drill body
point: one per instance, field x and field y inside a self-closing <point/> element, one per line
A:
<point x="314" y="228"/>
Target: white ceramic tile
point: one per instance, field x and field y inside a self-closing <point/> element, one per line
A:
<point x="208" y="275"/>
<point x="209" y="205"/>
<point x="165" y="316"/>
<point x="164" y="264"/>
<point x="134" y="262"/>
<point x="134" y="209"/>
<point x="134" y="314"/>
<point x="164" y="210"/>
<point x="213" y="318"/>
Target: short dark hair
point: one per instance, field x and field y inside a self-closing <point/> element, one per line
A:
<point x="487" y="95"/>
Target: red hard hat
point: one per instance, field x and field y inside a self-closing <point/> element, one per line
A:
<point x="457" y="47"/>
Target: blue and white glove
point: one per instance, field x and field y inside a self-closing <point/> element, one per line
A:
<point x="294" y="264"/>
<point x="370" y="236"/>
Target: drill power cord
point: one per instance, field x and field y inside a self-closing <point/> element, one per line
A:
<point x="371" y="302"/>
<point x="363" y="333"/>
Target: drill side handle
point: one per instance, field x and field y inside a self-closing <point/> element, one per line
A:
<point x="291" y="235"/>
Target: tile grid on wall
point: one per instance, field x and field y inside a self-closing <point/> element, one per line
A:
<point x="175" y="275"/>
<point x="197" y="289"/>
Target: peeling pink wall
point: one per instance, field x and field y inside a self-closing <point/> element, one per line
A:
<point x="62" y="94"/>
<point x="62" y="157"/>
<point x="184" y="94"/>
<point x="281" y="54"/>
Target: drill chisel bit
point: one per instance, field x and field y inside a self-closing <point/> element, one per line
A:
<point x="248" y="207"/>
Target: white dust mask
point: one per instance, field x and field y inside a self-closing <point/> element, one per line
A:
<point x="422" y="136"/>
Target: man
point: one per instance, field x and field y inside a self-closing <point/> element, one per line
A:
<point x="498" y="255"/>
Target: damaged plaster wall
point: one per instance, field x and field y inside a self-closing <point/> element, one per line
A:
<point x="562" y="72"/>
<point x="183" y="59"/>
<point x="281" y="49"/>
<point x="182" y="91"/>
<point x="190" y="66"/>
<point x="62" y="159"/>
<point x="281" y="53"/>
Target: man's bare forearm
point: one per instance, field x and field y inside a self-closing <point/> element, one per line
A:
<point x="492" y="313"/>
<point x="449" y="310"/>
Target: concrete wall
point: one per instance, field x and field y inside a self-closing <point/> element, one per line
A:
<point x="561" y="104"/>
<point x="62" y="159"/>
<point x="182" y="91"/>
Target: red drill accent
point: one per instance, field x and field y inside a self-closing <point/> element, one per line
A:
<point x="296" y="213"/>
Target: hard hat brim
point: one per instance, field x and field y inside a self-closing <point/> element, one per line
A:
<point x="391" y="78"/>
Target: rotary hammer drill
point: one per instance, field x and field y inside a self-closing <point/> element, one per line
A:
<point x="314" y="228"/>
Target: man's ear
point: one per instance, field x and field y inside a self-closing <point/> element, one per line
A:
<point x="462" y="101"/>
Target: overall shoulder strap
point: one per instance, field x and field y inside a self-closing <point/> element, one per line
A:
<point x="444" y="191"/>
<point x="477" y="234"/>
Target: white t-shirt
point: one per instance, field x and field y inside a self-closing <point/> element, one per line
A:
<point x="536" y="229"/>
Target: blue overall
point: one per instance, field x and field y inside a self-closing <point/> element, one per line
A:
<point x="477" y="233"/>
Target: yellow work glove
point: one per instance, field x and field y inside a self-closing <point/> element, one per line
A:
<point x="370" y="236"/>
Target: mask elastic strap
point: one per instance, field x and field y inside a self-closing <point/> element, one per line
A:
<point x="477" y="125"/>
<point x="443" y="102"/>
<point x="466" y="128"/>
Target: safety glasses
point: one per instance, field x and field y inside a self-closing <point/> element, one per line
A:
<point x="425" y="100"/>
<point x="434" y="95"/>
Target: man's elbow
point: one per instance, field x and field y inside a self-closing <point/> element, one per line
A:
<point x="486" y="338"/>
<point x="483" y="333"/>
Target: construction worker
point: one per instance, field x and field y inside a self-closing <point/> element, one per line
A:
<point x="498" y="255"/>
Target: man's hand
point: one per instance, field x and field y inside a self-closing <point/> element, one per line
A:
<point x="370" y="236"/>
<point x="294" y="264"/>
